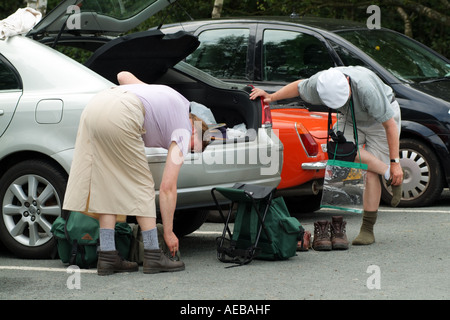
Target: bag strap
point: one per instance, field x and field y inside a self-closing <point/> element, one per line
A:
<point x="66" y="233"/>
<point x="76" y="248"/>
<point x="352" y="112"/>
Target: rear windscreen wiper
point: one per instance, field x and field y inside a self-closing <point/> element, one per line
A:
<point x="436" y="80"/>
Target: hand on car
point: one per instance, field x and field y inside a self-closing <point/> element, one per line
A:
<point x="260" y="93"/>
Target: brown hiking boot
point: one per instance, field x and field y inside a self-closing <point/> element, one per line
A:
<point x="109" y="262"/>
<point x="306" y="242"/>
<point x="321" y="240"/>
<point x="338" y="237"/>
<point x="156" y="261"/>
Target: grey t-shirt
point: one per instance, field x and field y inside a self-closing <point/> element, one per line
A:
<point x="371" y="97"/>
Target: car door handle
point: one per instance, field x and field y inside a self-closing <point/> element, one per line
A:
<point x="2" y="112"/>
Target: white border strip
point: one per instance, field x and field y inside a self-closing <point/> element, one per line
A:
<point x="23" y="268"/>
<point x="406" y="210"/>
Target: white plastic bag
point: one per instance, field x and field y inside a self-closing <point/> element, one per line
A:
<point x="20" y="22"/>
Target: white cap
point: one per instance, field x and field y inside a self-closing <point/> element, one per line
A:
<point x="333" y="88"/>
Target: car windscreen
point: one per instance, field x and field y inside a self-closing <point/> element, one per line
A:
<point x="94" y="17"/>
<point x="403" y="57"/>
<point x="116" y="9"/>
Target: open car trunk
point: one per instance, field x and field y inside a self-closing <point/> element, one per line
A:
<point x="150" y="56"/>
<point x="146" y="54"/>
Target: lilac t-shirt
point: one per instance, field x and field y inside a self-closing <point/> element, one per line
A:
<point x="166" y="116"/>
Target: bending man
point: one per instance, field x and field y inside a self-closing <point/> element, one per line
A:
<point x="378" y="117"/>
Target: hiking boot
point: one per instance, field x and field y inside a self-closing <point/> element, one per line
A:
<point x="156" y="261"/>
<point x="321" y="240"/>
<point x="338" y="237"/>
<point x="109" y="262"/>
<point x="306" y="242"/>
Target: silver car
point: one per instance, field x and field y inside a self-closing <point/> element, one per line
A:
<point x="43" y="92"/>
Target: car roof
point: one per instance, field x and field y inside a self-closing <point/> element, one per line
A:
<point x="29" y="57"/>
<point x="326" y="24"/>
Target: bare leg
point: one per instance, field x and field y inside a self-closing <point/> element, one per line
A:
<point x="372" y="195"/>
<point x="373" y="164"/>
<point x="146" y="223"/>
<point x="372" y="192"/>
<point x="107" y="221"/>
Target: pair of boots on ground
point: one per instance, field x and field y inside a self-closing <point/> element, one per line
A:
<point x="332" y="236"/>
<point x="156" y="256"/>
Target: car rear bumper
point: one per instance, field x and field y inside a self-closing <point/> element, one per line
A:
<point x="319" y="165"/>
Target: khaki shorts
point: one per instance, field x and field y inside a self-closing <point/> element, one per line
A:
<point x="373" y="136"/>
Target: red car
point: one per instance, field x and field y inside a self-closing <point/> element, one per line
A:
<point x="304" y="135"/>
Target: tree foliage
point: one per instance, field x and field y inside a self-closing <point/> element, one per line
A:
<point x="424" y="20"/>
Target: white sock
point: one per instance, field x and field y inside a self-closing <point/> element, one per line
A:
<point x="387" y="174"/>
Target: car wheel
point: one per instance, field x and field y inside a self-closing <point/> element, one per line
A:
<point x="303" y="204"/>
<point x="213" y="214"/>
<point x="187" y="221"/>
<point x="422" y="182"/>
<point x="31" y="194"/>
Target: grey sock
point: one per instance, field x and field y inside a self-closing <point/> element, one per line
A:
<point x="150" y="238"/>
<point x="107" y="241"/>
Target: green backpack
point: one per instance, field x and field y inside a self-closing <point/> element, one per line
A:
<point x="77" y="238"/>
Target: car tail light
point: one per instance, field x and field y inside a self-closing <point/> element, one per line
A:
<point x="266" y="114"/>
<point x="309" y="144"/>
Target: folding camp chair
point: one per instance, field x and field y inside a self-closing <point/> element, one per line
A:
<point x="253" y="201"/>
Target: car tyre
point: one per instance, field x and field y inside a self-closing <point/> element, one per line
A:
<point x="31" y="196"/>
<point x="303" y="204"/>
<point x="187" y="221"/>
<point x="213" y="214"/>
<point x="423" y="178"/>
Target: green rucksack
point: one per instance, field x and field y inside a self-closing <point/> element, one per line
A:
<point x="77" y="238"/>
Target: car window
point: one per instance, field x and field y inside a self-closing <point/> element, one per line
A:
<point x="404" y="58"/>
<point x="8" y="78"/>
<point x="123" y="9"/>
<point x="222" y="53"/>
<point x="347" y="57"/>
<point x="290" y="55"/>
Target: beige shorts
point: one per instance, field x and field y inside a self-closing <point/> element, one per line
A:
<point x="110" y="172"/>
<point x="373" y="136"/>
